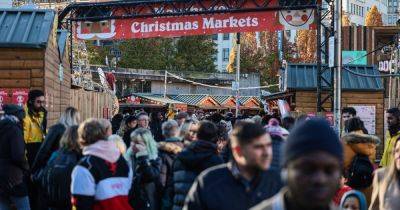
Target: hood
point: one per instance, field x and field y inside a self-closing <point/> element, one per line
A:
<point x="358" y="195"/>
<point x="106" y="150"/>
<point x="361" y="143"/>
<point x="357" y="138"/>
<point x="170" y="147"/>
<point x="197" y="153"/>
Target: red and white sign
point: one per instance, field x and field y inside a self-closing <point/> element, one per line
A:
<point x="4" y="98"/>
<point x="175" y="26"/>
<point x="20" y="96"/>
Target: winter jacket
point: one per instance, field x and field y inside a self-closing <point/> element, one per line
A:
<point x="102" y="179"/>
<point x="356" y="143"/>
<point x="278" y="202"/>
<point x="277" y="145"/>
<point x="156" y="130"/>
<point x="387" y="156"/>
<point x="49" y="145"/>
<point x="34" y="133"/>
<point x="13" y="163"/>
<point x="168" y="150"/>
<point x="386" y="192"/>
<point x="148" y="173"/>
<point x="223" y="188"/>
<point x="199" y="156"/>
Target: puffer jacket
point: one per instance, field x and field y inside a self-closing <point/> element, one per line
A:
<point x="168" y="150"/>
<point x="13" y="163"/>
<point x="34" y="132"/>
<point x="358" y="143"/>
<point x="196" y="158"/>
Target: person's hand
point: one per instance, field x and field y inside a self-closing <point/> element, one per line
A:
<point x="139" y="149"/>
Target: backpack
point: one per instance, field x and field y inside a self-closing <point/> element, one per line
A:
<point x="360" y="173"/>
<point x="55" y="178"/>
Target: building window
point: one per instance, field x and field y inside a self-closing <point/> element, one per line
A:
<point x="215" y="37"/>
<point x="226" y="36"/>
<point x="225" y="54"/>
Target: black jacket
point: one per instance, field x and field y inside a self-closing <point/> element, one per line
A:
<point x="155" y="127"/>
<point x="50" y="145"/>
<point x="223" y="188"/>
<point x="196" y="158"/>
<point x="127" y="137"/>
<point x="13" y="162"/>
<point x="146" y="183"/>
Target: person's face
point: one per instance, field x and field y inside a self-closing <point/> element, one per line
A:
<point x="256" y="155"/>
<point x="160" y="116"/>
<point x="391" y="120"/>
<point x="313" y="179"/>
<point x="397" y="155"/>
<point x="351" y="203"/>
<point x="132" y="124"/>
<point x="346" y="116"/>
<point x="137" y="146"/>
<point x="143" y="121"/>
<point x="174" y="131"/>
<point x="192" y="134"/>
<point x="180" y="121"/>
<point x="39" y="103"/>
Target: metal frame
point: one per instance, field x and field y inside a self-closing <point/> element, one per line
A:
<point x="325" y="22"/>
<point x="158" y="8"/>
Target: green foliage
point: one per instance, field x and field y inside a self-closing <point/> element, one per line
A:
<point x="194" y="53"/>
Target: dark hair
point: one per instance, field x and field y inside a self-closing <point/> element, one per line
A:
<point x="130" y="119"/>
<point x="32" y="95"/>
<point x="288" y="122"/>
<point x="207" y="131"/>
<point x="245" y="132"/>
<point x="354" y="124"/>
<point x="394" y="111"/>
<point x="349" y="110"/>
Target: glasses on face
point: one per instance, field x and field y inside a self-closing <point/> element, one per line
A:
<point x="40" y="101"/>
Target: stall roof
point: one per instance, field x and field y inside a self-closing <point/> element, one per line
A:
<point x="25" y="28"/>
<point x="159" y="98"/>
<point x="304" y="77"/>
<point x="245" y="99"/>
<point x="190" y="99"/>
<point x="221" y="99"/>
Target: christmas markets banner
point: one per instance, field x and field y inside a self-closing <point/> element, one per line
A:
<point x="205" y="24"/>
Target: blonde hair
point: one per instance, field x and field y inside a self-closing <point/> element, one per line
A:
<point x="70" y="117"/>
<point x="392" y="171"/>
<point x="118" y="142"/>
<point x="69" y="139"/>
<point x="91" y="131"/>
<point x="144" y="135"/>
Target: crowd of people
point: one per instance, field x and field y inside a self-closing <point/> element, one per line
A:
<point x="148" y="161"/>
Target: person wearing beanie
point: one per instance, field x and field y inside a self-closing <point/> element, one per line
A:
<point x="243" y="182"/>
<point x="278" y="136"/>
<point x="314" y="155"/>
<point x="197" y="157"/>
<point x="13" y="164"/>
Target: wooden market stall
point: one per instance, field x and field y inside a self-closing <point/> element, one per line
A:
<point x="198" y="101"/>
<point x="149" y="103"/>
<point x="366" y="94"/>
<point x="34" y="55"/>
<point x="226" y="101"/>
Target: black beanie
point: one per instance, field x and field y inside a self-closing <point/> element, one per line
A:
<point x="311" y="136"/>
